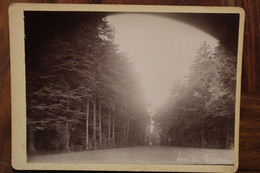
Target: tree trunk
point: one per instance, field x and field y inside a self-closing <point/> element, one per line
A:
<point x="100" y="126"/>
<point x="127" y="131"/>
<point x="67" y="137"/>
<point x="124" y="130"/>
<point x="113" y="131"/>
<point x="142" y="139"/>
<point x="202" y="134"/>
<point x="227" y="136"/>
<point x="87" y="121"/>
<point x="31" y="138"/>
<point x="108" y="137"/>
<point x="94" y="124"/>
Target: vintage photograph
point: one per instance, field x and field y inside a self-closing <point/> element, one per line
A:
<point x="133" y="88"/>
<point x="125" y="88"/>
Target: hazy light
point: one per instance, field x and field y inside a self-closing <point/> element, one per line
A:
<point x="162" y="48"/>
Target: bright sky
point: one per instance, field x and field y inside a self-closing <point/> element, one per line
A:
<point x="162" y="48"/>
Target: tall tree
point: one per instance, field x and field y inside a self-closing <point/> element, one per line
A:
<point x="204" y="103"/>
<point x="70" y="73"/>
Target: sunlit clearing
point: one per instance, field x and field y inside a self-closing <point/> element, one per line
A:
<point x="163" y="49"/>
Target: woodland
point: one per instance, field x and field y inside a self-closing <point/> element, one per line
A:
<point x="200" y="110"/>
<point x="82" y="93"/>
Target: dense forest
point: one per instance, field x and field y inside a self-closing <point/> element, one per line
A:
<point x="200" y="110"/>
<point x="82" y="92"/>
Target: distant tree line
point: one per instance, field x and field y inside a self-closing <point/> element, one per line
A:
<point x="200" y="111"/>
<point x="81" y="92"/>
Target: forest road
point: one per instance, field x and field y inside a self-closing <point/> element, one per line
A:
<point x="140" y="155"/>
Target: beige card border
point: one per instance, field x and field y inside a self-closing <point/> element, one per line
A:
<point x="18" y="96"/>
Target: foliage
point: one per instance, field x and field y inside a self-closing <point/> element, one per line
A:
<point x="200" y="111"/>
<point x="71" y="64"/>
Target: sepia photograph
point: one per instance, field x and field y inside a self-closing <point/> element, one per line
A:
<point x="141" y="88"/>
